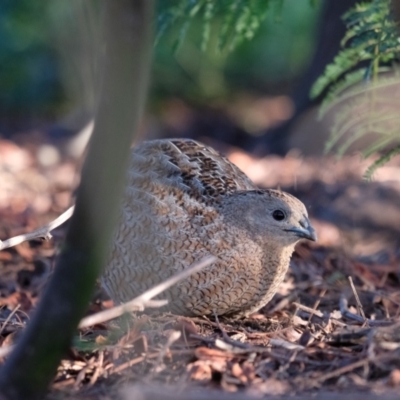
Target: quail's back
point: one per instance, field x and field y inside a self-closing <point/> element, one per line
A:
<point x="184" y="201"/>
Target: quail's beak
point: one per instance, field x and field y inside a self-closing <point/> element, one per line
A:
<point x="306" y="231"/>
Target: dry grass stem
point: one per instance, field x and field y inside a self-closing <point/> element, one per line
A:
<point x="140" y="302"/>
<point x="43" y="232"/>
<point x="359" y="305"/>
<point x="126" y="365"/>
<point x="172" y="338"/>
<point x="309" y="310"/>
<point x="316" y="304"/>
<point x="9" y="318"/>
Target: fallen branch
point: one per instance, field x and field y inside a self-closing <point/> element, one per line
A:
<point x="43" y="232"/>
<point x="137" y="304"/>
<point x="140" y="302"/>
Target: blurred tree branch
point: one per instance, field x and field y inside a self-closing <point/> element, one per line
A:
<point x="30" y="368"/>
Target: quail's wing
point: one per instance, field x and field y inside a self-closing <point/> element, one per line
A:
<point x="198" y="170"/>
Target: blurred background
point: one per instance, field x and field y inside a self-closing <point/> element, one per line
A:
<point x="48" y="53"/>
<point x="251" y="103"/>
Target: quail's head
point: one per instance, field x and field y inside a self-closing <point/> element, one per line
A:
<point x="272" y="215"/>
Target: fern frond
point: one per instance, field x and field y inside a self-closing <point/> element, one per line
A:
<point x="346" y="119"/>
<point x="368" y="112"/>
<point x="371" y="125"/>
<point x="371" y="35"/>
<point x="228" y="24"/>
<point x="345" y="60"/>
<point x="381" y="161"/>
<point x="339" y="87"/>
<point x="382" y="83"/>
<point x="380" y="145"/>
<point x="209" y="14"/>
<point x="238" y="20"/>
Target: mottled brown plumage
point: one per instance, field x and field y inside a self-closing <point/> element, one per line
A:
<point x="184" y="201"/>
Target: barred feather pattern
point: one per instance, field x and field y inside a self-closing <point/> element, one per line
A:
<point x="184" y="201"/>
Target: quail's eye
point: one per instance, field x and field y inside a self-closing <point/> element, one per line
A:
<point x="278" y="215"/>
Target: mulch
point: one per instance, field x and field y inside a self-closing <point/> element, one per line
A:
<point x="333" y="326"/>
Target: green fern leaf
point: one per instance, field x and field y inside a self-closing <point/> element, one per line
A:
<point x="345" y="60"/>
<point x="380" y="145"/>
<point x="381" y="161"/>
<point x="338" y="88"/>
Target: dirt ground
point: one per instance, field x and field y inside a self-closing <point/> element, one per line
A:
<point x="334" y="325"/>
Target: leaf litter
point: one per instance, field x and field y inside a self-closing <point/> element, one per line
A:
<point x="333" y="325"/>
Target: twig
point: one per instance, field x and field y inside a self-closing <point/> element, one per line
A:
<point x="347" y="368"/>
<point x="311" y="311"/>
<point x="276" y="355"/>
<point x="172" y="338"/>
<point x="204" y="321"/>
<point x="141" y="301"/>
<point x="98" y="369"/>
<point x="358" y="302"/>
<point x="285" y="344"/>
<point x="351" y="367"/>
<point x="227" y="338"/>
<point x="346" y="313"/>
<point x="316" y="304"/>
<point x="43" y="232"/>
<point x="342" y="370"/>
<point x="9" y="317"/>
<point x="82" y="373"/>
<point x="317" y="313"/>
<point x="127" y="364"/>
<point x="343" y="305"/>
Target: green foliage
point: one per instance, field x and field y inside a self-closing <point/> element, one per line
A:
<point x="381" y="161"/>
<point x="237" y="20"/>
<point x="271" y="58"/>
<point x="371" y="36"/>
<point x="28" y="79"/>
<point x="370" y="47"/>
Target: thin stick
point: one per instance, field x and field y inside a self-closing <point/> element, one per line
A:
<point x="343" y="306"/>
<point x="309" y="310"/>
<point x="98" y="370"/>
<point x="359" y="305"/>
<point x="127" y="364"/>
<point x="226" y="338"/>
<point x="317" y="313"/>
<point x="346" y="313"/>
<point x="9" y="317"/>
<point x="43" y="232"/>
<point x="342" y="370"/>
<point x="172" y="338"/>
<point x="140" y="301"/>
<point x="316" y="304"/>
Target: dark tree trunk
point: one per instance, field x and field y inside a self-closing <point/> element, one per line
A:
<point x="32" y="365"/>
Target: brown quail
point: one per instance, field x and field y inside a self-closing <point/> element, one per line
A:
<point x="184" y="201"/>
